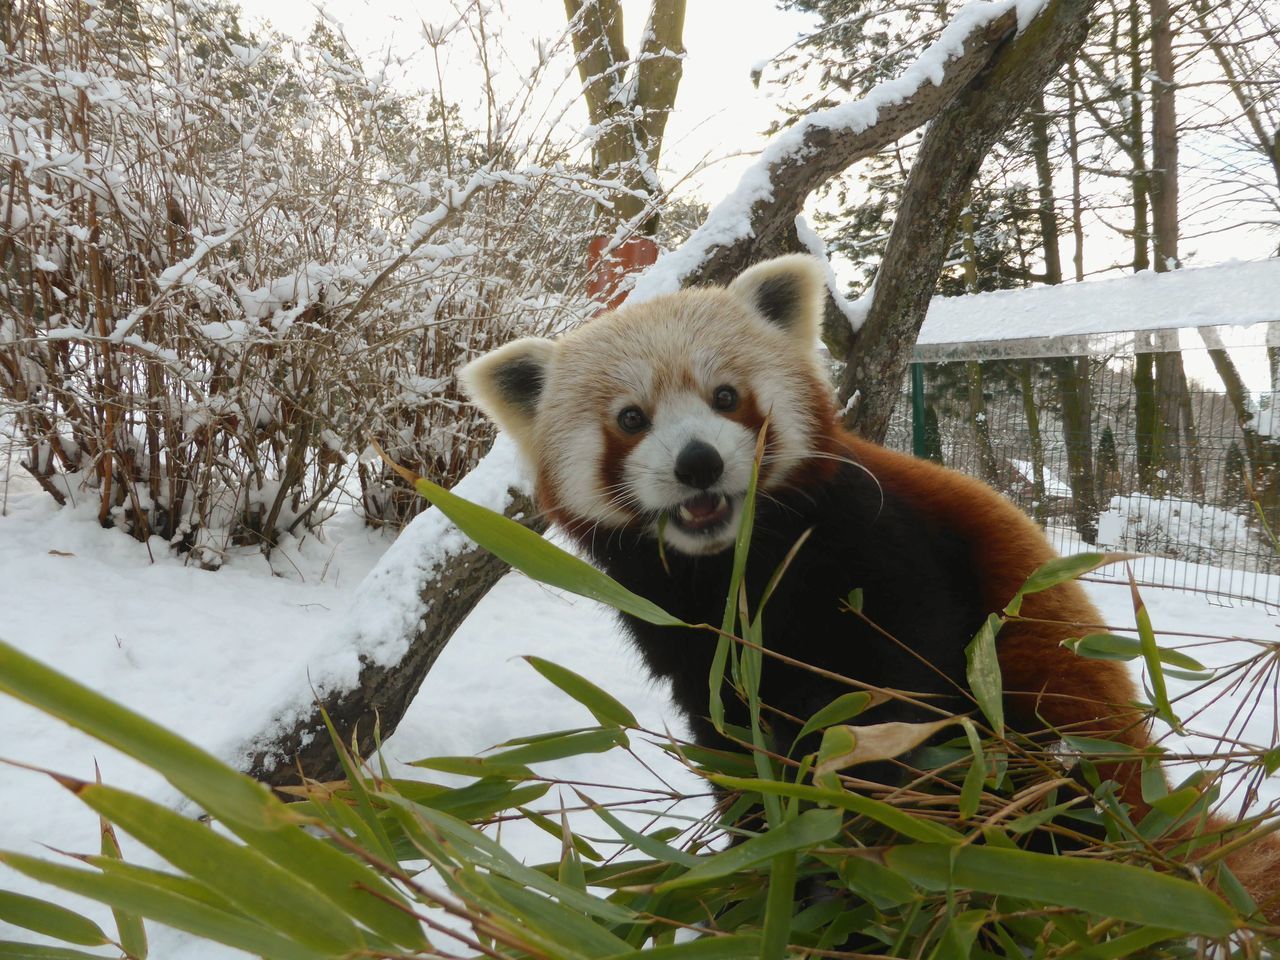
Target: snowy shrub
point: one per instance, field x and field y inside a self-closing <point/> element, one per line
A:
<point x="230" y="262"/>
<point x="1179" y="529"/>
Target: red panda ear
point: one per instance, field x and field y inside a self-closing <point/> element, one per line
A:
<point x="508" y="384"/>
<point x="787" y="291"/>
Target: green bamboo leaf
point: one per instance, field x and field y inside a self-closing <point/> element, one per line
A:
<point x="365" y="822"/>
<point x="741" y="544"/>
<point x="547" y="825"/>
<point x="1114" y="646"/>
<point x="705" y="948"/>
<point x="574" y="744"/>
<point x="165" y="907"/>
<point x="779" y="906"/>
<point x="1134" y="943"/>
<point x="971" y="789"/>
<point x="484" y="798"/>
<point x="882" y="887"/>
<point x="571" y="872"/>
<point x="643" y="842"/>
<point x="1099" y="887"/>
<point x="904" y="823"/>
<point x="529" y="553"/>
<point x="982" y="669"/>
<point x="10" y="950"/>
<point x="40" y="916"/>
<point x="484" y="852"/>
<point x="1060" y="570"/>
<point x="603" y="707"/>
<point x="253" y="883"/>
<point x="1151" y="657"/>
<point x="230" y="796"/>
<point x="557" y="922"/>
<point x="479" y="767"/>
<point x="244" y="806"/>
<point x="842" y="708"/>
<point x="129" y="927"/>
<point x="174" y="883"/>
<point x="804" y="831"/>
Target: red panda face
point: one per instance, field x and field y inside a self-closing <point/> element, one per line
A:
<point x="648" y="417"/>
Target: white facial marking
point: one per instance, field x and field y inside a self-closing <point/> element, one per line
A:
<point x="679" y="509"/>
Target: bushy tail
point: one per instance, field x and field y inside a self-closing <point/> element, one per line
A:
<point x="1257" y="867"/>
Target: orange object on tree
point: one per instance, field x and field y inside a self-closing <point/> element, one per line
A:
<point x="606" y="272"/>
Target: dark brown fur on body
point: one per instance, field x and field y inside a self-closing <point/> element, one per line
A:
<point x="934" y="551"/>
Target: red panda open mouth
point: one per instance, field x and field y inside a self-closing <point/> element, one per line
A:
<point x="704" y="512"/>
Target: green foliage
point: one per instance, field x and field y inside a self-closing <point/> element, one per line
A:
<point x="939" y="869"/>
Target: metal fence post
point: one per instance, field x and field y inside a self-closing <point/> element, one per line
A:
<point x="917" y="410"/>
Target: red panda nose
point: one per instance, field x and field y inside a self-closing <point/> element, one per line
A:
<point x="699" y="465"/>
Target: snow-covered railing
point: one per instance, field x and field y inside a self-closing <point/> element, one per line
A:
<point x="1237" y="302"/>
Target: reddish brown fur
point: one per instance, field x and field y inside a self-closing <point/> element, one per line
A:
<point x="1046" y="684"/>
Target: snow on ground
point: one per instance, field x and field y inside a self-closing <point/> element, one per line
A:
<point x="213" y="655"/>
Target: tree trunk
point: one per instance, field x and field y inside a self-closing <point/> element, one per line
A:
<point x="1077" y="430"/>
<point x="1039" y="507"/>
<point x="629" y="113"/>
<point x="949" y="157"/>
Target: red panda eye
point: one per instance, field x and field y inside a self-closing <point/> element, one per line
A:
<point x="632" y="420"/>
<point x="725" y="399"/>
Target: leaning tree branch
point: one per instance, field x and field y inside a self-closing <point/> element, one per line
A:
<point x="451" y="575"/>
<point x="974" y="80"/>
<point x="757" y="220"/>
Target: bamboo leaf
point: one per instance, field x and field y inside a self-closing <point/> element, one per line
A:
<point x="573" y="744"/>
<point x="971" y="789"/>
<point x="129" y="927"/>
<point x="165" y="907"/>
<point x="482" y="851"/>
<point x="257" y="886"/>
<point x="10" y="950"/>
<point x="804" y="831"/>
<point x="245" y="807"/>
<point x="779" y="905"/>
<point x="1151" y="657"/>
<point x="1060" y="570"/>
<point x="557" y="922"/>
<point x="872" y="742"/>
<point x="842" y="708"/>
<point x="603" y="707"/>
<point x="40" y="916"/>
<point x="982" y="669"/>
<point x="704" y="948"/>
<point x="869" y="879"/>
<point x="904" y="823"/>
<point x="479" y="767"/>
<point x="643" y="842"/>
<point x="1113" y="646"/>
<point x="1099" y="887"/>
<point x="534" y="556"/>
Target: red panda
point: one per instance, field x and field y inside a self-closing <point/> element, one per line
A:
<point x="642" y="426"/>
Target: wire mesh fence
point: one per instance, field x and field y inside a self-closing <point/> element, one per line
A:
<point x="1119" y="453"/>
